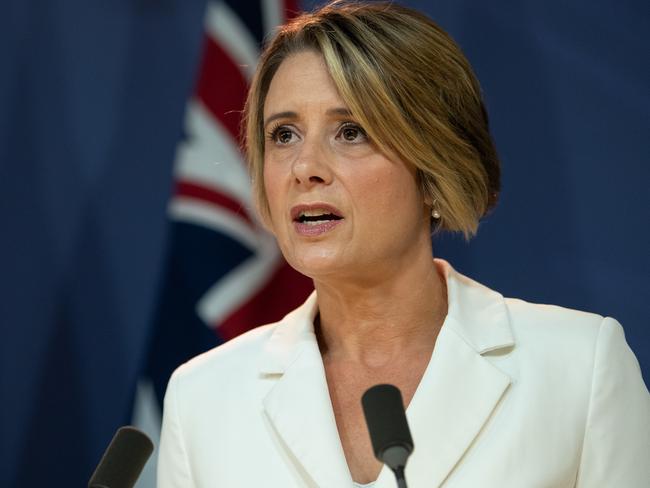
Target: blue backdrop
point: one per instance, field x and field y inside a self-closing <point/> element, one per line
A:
<point x="92" y="96"/>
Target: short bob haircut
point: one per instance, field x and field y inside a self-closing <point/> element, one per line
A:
<point x="409" y="86"/>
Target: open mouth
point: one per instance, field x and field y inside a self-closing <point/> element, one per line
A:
<point x="315" y="217"/>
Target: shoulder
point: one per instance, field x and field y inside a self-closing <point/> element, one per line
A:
<point x="545" y="343"/>
<point x="218" y="386"/>
<point x="489" y="321"/>
<point x="236" y="366"/>
<point x="560" y="343"/>
<point x="561" y="346"/>
<point x="531" y="337"/>
<point x="228" y="363"/>
<point x="566" y="334"/>
<point x="551" y="322"/>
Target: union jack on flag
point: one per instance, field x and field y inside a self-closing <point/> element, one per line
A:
<point x="224" y="273"/>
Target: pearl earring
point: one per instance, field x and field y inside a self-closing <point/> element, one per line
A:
<point x="434" y="210"/>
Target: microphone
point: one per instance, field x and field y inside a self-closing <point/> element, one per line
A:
<point x="123" y="459"/>
<point x="389" y="431"/>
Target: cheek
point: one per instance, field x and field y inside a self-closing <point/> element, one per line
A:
<point x="272" y="184"/>
<point x="273" y="194"/>
<point x="390" y="194"/>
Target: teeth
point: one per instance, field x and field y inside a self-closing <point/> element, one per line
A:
<point x="313" y="213"/>
<point x="316" y="216"/>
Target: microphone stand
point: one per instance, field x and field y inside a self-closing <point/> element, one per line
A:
<point x="399" y="476"/>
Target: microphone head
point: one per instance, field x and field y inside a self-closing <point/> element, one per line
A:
<point x="389" y="431"/>
<point x="123" y="459"/>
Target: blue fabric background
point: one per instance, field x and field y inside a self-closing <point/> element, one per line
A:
<point x="92" y="97"/>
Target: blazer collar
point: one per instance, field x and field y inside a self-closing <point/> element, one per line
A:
<point x="479" y="314"/>
<point x="292" y="334"/>
<point x="454" y="400"/>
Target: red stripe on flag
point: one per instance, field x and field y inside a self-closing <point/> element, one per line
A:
<point x="222" y="86"/>
<point x="291" y="9"/>
<point x="199" y="192"/>
<point x="284" y="291"/>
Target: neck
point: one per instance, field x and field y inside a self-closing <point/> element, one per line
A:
<point x="374" y="321"/>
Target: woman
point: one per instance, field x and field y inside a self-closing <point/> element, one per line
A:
<point x="366" y="132"/>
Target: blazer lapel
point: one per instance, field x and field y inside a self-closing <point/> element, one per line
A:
<point x="298" y="405"/>
<point x="456" y="398"/>
<point x="460" y="388"/>
<point x="457" y="395"/>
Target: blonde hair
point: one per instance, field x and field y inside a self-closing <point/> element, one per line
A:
<point x="409" y="86"/>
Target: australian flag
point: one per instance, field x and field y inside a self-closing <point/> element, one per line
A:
<point x="224" y="273"/>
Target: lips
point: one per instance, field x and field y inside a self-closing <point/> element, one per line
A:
<point x="315" y="213"/>
<point x="315" y="219"/>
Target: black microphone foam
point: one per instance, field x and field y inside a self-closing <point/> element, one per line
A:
<point x="389" y="431"/>
<point x="123" y="459"/>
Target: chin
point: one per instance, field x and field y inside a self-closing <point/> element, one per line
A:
<point x="315" y="264"/>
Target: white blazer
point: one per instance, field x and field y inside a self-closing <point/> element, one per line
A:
<point x="515" y="395"/>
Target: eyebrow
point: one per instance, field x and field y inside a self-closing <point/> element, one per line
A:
<point x="280" y="115"/>
<point x="339" y="111"/>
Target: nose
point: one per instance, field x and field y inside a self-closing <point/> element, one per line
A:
<point x="311" y="166"/>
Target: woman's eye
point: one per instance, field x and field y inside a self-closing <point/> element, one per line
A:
<point x="352" y="133"/>
<point x="284" y="136"/>
<point x="281" y="135"/>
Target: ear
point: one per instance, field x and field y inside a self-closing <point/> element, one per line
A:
<point x="427" y="198"/>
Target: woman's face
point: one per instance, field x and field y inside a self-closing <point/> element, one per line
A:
<point x="338" y="206"/>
